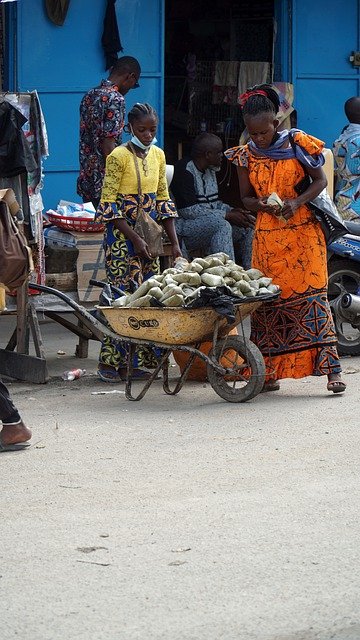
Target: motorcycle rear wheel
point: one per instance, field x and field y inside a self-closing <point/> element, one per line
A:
<point x="344" y="277"/>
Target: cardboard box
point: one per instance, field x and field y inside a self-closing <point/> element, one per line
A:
<point x="90" y="264"/>
<point x="2" y="299"/>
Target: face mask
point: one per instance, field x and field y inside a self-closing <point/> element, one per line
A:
<point x="144" y="147"/>
<point x="135" y="140"/>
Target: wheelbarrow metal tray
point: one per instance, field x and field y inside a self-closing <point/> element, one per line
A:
<point x="173" y="325"/>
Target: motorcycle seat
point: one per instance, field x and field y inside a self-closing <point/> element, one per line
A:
<point x="353" y="227"/>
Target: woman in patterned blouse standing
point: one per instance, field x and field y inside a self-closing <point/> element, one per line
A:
<point x="127" y="259"/>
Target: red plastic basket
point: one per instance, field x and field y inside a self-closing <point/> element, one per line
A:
<point x="75" y="223"/>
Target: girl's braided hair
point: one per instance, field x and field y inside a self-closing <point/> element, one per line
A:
<point x="260" y="99"/>
<point x="140" y="110"/>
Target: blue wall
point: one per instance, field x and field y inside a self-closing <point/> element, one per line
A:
<point x="324" y="33"/>
<point x="315" y="40"/>
<point x="62" y="63"/>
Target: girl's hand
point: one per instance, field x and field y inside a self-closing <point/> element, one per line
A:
<point x="289" y="208"/>
<point x="140" y="247"/>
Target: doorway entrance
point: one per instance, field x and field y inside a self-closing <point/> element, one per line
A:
<point x="213" y="51"/>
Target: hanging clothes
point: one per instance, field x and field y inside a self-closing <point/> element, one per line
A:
<point x="110" y="39"/>
<point x="225" y="82"/>
<point x="57" y="10"/>
<point x="252" y="73"/>
<point x="37" y="138"/>
<point x="19" y="186"/>
<point x="15" y="154"/>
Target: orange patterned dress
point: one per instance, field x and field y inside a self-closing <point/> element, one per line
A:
<point x="295" y="333"/>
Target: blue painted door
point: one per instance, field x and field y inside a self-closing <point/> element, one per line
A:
<point x="62" y="63"/>
<point x="324" y="33"/>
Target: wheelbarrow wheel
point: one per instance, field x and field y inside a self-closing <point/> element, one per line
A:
<point x="245" y="365"/>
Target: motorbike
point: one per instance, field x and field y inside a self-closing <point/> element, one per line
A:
<point x="344" y="289"/>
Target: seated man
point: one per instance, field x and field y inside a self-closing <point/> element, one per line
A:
<point x="205" y="222"/>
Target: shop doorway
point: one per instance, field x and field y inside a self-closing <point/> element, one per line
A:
<point x="205" y="44"/>
<point x="213" y="50"/>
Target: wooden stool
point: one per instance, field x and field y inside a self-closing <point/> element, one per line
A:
<point x="166" y="259"/>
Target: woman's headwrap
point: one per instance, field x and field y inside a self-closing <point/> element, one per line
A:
<point x="244" y="97"/>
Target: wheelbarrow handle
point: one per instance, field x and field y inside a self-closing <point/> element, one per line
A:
<point x="100" y="283"/>
<point x="80" y="312"/>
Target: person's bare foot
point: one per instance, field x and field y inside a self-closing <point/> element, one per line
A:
<point x="15" y="433"/>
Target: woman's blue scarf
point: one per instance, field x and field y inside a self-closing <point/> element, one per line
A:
<point x="277" y="153"/>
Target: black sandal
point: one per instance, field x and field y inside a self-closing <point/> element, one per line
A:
<point x="13" y="447"/>
<point x="271" y="385"/>
<point x="336" y="386"/>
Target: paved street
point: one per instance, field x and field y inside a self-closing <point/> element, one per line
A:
<point x="184" y="518"/>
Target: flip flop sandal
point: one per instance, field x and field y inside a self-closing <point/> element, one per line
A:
<point x="137" y="374"/>
<point x="14" y="447"/>
<point x="336" y="386"/>
<point x="107" y="375"/>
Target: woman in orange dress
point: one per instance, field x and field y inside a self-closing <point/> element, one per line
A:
<point x="296" y="333"/>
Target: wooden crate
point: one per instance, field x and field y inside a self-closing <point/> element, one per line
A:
<point x="62" y="281"/>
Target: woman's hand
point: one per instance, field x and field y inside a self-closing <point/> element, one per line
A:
<point x="289" y="208"/>
<point x="140" y="247"/>
<point x="268" y="208"/>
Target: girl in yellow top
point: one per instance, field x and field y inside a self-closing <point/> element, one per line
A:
<point x="295" y="333"/>
<point x="127" y="259"/>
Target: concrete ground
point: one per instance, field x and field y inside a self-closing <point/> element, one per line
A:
<point x="180" y="518"/>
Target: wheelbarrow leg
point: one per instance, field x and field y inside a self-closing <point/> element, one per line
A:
<point x="183" y="376"/>
<point x="164" y="358"/>
<point x="129" y="371"/>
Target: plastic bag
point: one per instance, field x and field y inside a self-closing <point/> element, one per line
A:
<point x="325" y="212"/>
<point x="221" y="299"/>
<point x="323" y="207"/>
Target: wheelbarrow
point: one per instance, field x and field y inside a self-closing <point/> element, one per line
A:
<point x="235" y="366"/>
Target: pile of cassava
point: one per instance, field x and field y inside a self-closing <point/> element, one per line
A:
<point x="179" y="285"/>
